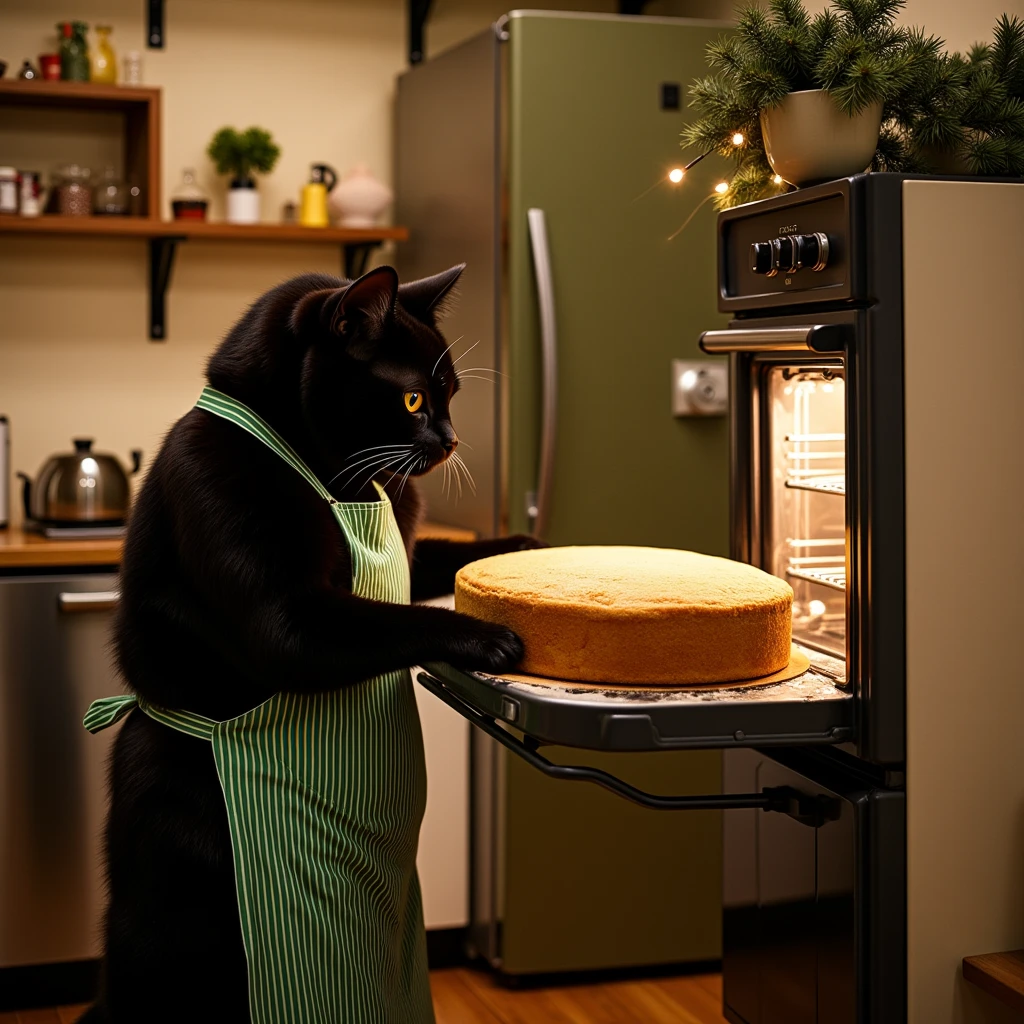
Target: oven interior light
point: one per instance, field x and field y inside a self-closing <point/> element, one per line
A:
<point x="722" y="187"/>
<point x="737" y="139"/>
<point x="777" y="179"/>
<point x="828" y="388"/>
<point x="816" y="607"/>
<point x="676" y="175"/>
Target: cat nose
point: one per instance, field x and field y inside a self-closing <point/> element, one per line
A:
<point x="449" y="444"/>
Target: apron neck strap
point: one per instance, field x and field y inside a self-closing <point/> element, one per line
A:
<point x="242" y="416"/>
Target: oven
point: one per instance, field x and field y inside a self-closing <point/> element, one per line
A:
<point x="816" y="380"/>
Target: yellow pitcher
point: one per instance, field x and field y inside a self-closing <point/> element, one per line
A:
<point x="313" y="211"/>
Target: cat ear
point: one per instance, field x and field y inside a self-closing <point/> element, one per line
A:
<point x="424" y="299"/>
<point x="362" y="310"/>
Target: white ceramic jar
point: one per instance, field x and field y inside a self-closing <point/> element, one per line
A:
<point x="358" y="200"/>
<point x="243" y="204"/>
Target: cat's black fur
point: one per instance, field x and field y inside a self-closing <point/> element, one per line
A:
<point x="236" y="584"/>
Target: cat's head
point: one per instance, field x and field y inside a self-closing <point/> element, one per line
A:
<point x="377" y="377"/>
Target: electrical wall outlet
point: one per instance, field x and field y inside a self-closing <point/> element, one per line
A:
<point x="699" y="388"/>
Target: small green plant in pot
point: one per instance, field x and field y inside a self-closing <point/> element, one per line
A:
<point x="243" y="154"/>
<point x="807" y="97"/>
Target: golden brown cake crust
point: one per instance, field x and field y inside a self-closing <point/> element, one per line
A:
<point x="632" y="614"/>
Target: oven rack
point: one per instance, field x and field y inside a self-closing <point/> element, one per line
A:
<point x="821" y="484"/>
<point x="833" y="576"/>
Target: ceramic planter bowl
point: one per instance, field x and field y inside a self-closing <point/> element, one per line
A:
<point x="808" y="139"/>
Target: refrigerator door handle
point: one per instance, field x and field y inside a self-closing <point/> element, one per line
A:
<point x="538" y="503"/>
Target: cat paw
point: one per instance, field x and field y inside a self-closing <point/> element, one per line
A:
<point x="492" y="648"/>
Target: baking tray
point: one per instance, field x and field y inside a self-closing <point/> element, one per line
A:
<point x="815" y="708"/>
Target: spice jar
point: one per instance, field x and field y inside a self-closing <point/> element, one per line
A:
<point x="74" y="57"/>
<point x="74" y="197"/>
<point x="49" y="65"/>
<point x="132" y="68"/>
<point x="111" y="196"/>
<point x="30" y="188"/>
<point x="8" y="190"/>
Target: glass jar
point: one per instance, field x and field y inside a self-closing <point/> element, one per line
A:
<point x="74" y="55"/>
<point x="111" y="197"/>
<point x="8" y="190"/>
<point x="189" y="202"/>
<point x="104" y="61"/>
<point x="74" y="196"/>
<point x="132" y="68"/>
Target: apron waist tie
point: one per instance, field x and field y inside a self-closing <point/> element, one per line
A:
<point x="108" y="711"/>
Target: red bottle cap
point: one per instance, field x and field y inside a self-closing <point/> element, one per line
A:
<point x="66" y="29"/>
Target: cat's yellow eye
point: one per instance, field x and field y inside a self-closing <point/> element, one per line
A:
<point x="413" y="400"/>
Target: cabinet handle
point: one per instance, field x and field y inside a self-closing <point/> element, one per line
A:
<point x="95" y="601"/>
<point x="813" y="338"/>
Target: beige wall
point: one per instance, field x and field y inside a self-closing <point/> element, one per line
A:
<point x="74" y="356"/>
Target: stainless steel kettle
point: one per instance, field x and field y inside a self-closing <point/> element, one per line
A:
<point x="82" y="486"/>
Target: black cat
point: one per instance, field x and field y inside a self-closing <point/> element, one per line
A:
<point x="236" y="584"/>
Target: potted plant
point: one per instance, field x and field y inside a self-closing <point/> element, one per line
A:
<point x="798" y="99"/>
<point x="242" y="154"/>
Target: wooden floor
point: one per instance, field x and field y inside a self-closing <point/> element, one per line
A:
<point x="463" y="996"/>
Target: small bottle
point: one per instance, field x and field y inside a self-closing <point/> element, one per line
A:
<point x="8" y="190"/>
<point x="27" y="72"/>
<point x="132" y="68"/>
<point x="104" y="60"/>
<point x="189" y="202"/>
<point x="74" y="57"/>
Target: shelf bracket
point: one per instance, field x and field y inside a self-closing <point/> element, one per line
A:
<point x="161" y="262"/>
<point x="354" y="257"/>
<point x="155" y="24"/>
<point x="632" y="6"/>
<point x="419" y="10"/>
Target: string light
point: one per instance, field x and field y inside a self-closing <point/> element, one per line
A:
<point x="737" y="139"/>
<point x="777" y="179"/>
<point x="722" y="187"/>
<point x="676" y="175"/>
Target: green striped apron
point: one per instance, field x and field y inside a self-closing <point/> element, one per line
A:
<point x="325" y="794"/>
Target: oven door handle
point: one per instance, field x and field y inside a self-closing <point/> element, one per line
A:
<point x="812" y="338"/>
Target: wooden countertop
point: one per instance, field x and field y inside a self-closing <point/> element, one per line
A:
<point x="1000" y="974"/>
<point x="21" y="550"/>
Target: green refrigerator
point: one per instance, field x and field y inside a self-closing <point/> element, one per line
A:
<point x="538" y="154"/>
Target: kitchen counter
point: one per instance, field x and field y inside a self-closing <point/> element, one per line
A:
<point x="22" y="550"/>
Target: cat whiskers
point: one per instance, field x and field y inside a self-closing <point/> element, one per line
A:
<point x="349" y="464"/>
<point x="376" y="464"/>
<point x="466" y="353"/>
<point x="461" y="467"/>
<point x="468" y="374"/>
<point x="446" y="351"/>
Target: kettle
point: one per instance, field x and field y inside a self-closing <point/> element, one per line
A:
<point x="82" y="486"/>
<point x="313" y="210"/>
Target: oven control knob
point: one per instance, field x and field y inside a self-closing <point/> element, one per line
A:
<point x="810" y="252"/>
<point x="761" y="257"/>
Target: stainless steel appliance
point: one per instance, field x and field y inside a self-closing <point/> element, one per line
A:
<point x="538" y="153"/>
<point x="873" y="835"/>
<point x="54" y="660"/>
<point x="79" y="488"/>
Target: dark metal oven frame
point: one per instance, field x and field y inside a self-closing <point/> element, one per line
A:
<point x="860" y="324"/>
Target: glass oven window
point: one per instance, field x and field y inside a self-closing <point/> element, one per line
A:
<point x="806" y="542"/>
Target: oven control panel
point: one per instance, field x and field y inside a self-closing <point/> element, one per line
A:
<point x="793" y="250"/>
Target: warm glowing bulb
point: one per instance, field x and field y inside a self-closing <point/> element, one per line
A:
<point x="817" y="608"/>
<point x="737" y="139"/>
<point x="777" y="179"/>
<point x="722" y="187"/>
<point x="675" y="175"/>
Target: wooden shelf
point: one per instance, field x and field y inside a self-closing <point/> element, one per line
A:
<point x="1000" y="974"/>
<point x="87" y="95"/>
<point x="164" y="236"/>
<point x="148" y="227"/>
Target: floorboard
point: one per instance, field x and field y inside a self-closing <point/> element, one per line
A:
<point x="464" y="996"/>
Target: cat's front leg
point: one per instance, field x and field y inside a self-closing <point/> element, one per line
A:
<point x="435" y="562"/>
